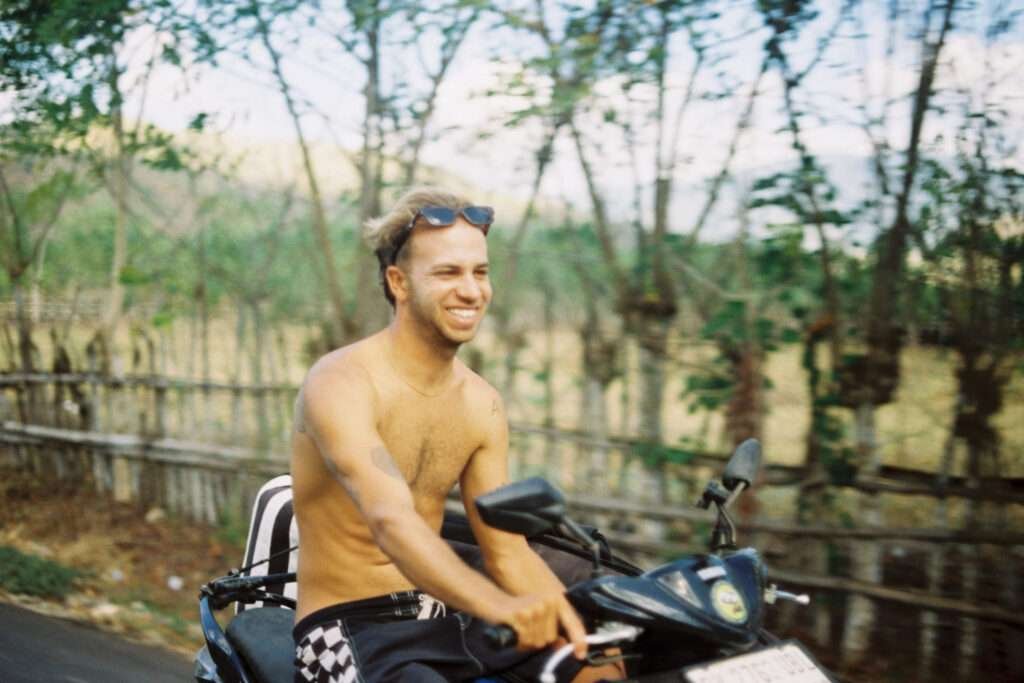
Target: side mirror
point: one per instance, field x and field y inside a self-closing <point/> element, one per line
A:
<point x="527" y="507"/>
<point x="744" y="465"/>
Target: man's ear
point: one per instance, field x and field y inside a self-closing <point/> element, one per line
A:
<point x="398" y="283"/>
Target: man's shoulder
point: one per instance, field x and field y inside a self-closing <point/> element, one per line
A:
<point x="474" y="384"/>
<point x="479" y="392"/>
<point x="347" y="367"/>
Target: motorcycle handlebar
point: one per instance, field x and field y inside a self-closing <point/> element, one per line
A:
<point x="500" y="636"/>
<point x="235" y="583"/>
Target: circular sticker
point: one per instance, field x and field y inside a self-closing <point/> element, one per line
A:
<point x="728" y="602"/>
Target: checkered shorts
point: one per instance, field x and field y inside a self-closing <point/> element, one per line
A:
<point x="324" y="655"/>
<point x="405" y="637"/>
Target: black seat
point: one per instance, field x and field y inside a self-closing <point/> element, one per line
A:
<point x="263" y="639"/>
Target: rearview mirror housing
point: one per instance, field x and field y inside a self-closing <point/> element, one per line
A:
<point x="744" y="465"/>
<point x="527" y="507"/>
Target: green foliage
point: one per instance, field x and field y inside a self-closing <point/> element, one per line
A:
<point x="656" y="455"/>
<point x="30" y="575"/>
<point x="709" y="391"/>
<point x="233" y="524"/>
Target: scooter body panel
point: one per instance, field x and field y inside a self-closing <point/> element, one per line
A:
<point x="226" y="660"/>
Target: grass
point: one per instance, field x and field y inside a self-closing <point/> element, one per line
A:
<point x="30" y="575"/>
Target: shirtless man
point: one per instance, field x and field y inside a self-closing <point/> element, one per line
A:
<point x="384" y="428"/>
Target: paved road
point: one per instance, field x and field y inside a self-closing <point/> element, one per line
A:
<point x="40" y="649"/>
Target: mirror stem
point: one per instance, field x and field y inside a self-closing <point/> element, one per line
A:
<point x="723" y="537"/>
<point x="740" y="487"/>
<point x="575" y="531"/>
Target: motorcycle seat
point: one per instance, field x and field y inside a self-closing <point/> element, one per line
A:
<point x="263" y="639"/>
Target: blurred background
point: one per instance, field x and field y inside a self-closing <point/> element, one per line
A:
<point x="791" y="220"/>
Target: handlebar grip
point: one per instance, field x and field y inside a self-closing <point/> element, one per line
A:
<point x="500" y="636"/>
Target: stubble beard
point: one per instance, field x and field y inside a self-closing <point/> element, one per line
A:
<point x="432" y="329"/>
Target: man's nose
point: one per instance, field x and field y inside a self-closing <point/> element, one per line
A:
<point x="468" y="288"/>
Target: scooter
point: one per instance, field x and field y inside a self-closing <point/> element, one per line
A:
<point x="697" y="619"/>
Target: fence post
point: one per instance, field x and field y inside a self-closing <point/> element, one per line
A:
<point x="122" y="479"/>
<point x="160" y="389"/>
<point x="968" y="626"/>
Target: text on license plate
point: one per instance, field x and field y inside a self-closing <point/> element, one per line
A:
<point x="783" y="663"/>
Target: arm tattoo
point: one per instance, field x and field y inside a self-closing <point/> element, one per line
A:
<point x="379" y="457"/>
<point x="342" y="479"/>
<point x="385" y="463"/>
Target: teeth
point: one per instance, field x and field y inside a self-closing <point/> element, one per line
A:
<point x="464" y="313"/>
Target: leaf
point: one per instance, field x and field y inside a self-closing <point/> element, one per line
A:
<point x="198" y="122"/>
<point x="131" y="276"/>
<point x="162" y="318"/>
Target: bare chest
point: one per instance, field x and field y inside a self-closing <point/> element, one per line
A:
<point x="430" y="444"/>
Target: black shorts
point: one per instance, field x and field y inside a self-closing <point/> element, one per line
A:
<point x="406" y="637"/>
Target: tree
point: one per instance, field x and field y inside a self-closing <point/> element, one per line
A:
<point x="396" y="115"/>
<point x="62" y="64"/>
<point x="971" y="239"/>
<point x="630" y="44"/>
<point x="868" y="380"/>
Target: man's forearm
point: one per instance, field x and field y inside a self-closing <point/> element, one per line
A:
<point x="525" y="573"/>
<point x="432" y="566"/>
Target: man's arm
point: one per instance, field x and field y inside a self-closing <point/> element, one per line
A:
<point x="508" y="557"/>
<point x="339" y="416"/>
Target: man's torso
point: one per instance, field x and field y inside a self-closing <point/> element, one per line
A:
<point x="430" y="439"/>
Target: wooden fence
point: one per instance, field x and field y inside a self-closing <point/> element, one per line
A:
<point x="951" y="598"/>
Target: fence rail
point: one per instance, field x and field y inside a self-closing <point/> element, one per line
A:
<point x="889" y="479"/>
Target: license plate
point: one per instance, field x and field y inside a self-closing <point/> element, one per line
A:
<point x="786" y="662"/>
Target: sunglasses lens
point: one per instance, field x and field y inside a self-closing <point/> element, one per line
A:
<point x="479" y="215"/>
<point x="438" y="215"/>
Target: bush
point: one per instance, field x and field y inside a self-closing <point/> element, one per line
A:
<point x="28" y="575"/>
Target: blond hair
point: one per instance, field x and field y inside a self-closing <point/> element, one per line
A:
<point x="381" y="232"/>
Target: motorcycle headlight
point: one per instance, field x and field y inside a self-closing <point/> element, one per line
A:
<point x="679" y="586"/>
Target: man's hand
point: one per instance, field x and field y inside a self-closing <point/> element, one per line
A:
<point x="537" y="619"/>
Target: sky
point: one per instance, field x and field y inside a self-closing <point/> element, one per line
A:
<point x="856" y="69"/>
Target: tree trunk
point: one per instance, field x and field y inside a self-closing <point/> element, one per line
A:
<point x="509" y="334"/>
<point x="652" y="342"/>
<point x="812" y="506"/>
<point x="552" y="460"/>
<point x="260" y="397"/>
<point x="982" y="397"/>
<point x="599" y="360"/>
<point x="119" y="188"/>
<point x="29" y="400"/>
<point x="865" y="557"/>
<point x="237" y="412"/>
<point x="626" y="402"/>
<point x="369" y="311"/>
<point x="744" y="414"/>
<point x="320" y="228"/>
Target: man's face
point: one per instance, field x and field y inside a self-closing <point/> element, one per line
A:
<point x="448" y="283"/>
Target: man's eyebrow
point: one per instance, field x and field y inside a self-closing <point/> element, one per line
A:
<point x="448" y="265"/>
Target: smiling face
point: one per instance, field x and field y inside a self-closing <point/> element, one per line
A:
<point x="442" y="283"/>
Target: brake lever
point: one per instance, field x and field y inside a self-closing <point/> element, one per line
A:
<point x="772" y="594"/>
<point x="609" y="633"/>
<point x="595" y="659"/>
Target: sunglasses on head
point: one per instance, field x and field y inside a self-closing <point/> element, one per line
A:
<point x="442" y="217"/>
